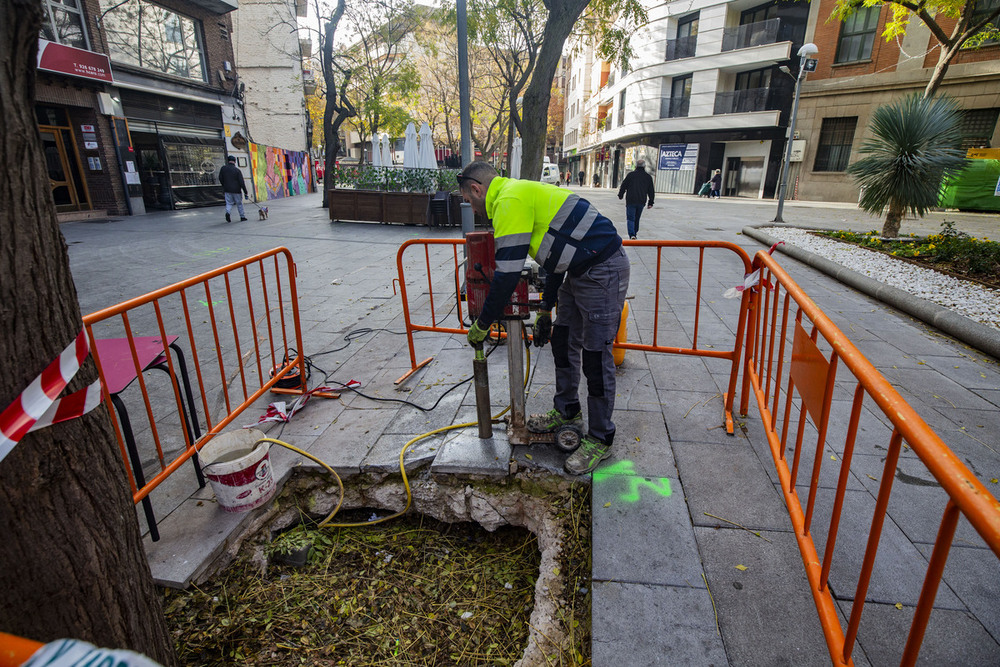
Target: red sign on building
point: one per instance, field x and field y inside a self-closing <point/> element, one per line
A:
<point x="64" y="59"/>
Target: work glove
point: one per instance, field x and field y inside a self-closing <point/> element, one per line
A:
<point x="543" y="328"/>
<point x="477" y="334"/>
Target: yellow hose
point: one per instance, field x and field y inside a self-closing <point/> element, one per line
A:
<point x="326" y="523"/>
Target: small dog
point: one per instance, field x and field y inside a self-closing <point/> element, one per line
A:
<point x="263" y="213"/>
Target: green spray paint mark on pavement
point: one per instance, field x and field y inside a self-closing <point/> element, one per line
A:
<point x="214" y="303"/>
<point x="623" y="472"/>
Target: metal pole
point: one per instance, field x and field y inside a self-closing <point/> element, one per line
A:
<point x="515" y="365"/>
<point x="788" y="141"/>
<point x="463" y="83"/>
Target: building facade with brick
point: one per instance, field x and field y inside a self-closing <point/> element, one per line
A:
<point x="130" y="98"/>
<point x="858" y="71"/>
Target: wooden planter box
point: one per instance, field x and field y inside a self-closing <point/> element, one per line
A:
<point x="408" y="208"/>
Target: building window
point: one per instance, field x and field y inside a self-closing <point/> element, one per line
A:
<point x="678" y="101"/>
<point x="621" y="108"/>
<point x="978" y="126"/>
<point x="857" y="34"/>
<point x="63" y="22"/>
<point x="983" y="9"/>
<point x="145" y="35"/>
<point x="835" y="140"/>
<point x="760" y="13"/>
<point x="687" y="38"/>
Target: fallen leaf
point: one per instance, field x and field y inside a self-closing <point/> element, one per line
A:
<point x="833" y="458"/>
<point x="607" y="504"/>
<point x="994" y="481"/>
<point x="871" y="478"/>
<point x="899" y="605"/>
<point x="528" y="456"/>
<point x="741" y="568"/>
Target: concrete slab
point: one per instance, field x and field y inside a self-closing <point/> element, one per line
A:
<point x="634" y="389"/>
<point x="766" y="611"/>
<point x="384" y="455"/>
<point x="465" y="453"/>
<point x="952" y="637"/>
<point x="729" y="482"/>
<point x="663" y="625"/>
<point x="641" y="529"/>
<point x="642" y="439"/>
<point x="346" y="442"/>
<point x="190" y="539"/>
<point x="694" y="416"/>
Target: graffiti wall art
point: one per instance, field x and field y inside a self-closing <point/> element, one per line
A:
<point x="278" y="173"/>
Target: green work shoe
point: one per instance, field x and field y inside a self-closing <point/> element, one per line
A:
<point x="585" y="459"/>
<point x="548" y="422"/>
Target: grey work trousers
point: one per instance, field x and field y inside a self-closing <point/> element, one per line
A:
<point x="588" y="313"/>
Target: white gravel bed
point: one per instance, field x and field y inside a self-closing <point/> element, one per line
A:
<point x="974" y="301"/>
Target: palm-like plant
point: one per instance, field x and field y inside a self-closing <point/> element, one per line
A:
<point x="915" y="144"/>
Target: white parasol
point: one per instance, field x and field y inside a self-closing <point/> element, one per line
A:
<point x="410" y="157"/>
<point x="385" y="144"/>
<point x="515" y="159"/>
<point x="427" y="159"/>
<point x="376" y="154"/>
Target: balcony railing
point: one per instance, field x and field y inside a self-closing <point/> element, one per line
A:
<point x="751" y="34"/>
<point x="741" y="101"/>
<point x="682" y="47"/>
<point x="674" y="107"/>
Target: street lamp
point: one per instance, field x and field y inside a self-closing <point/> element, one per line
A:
<point x="805" y="52"/>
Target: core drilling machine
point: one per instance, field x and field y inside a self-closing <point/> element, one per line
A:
<point x="479" y="267"/>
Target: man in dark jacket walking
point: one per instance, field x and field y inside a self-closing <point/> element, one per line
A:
<point x="637" y="188"/>
<point x="232" y="186"/>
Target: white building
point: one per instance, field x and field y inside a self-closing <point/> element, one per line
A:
<point x="704" y="92"/>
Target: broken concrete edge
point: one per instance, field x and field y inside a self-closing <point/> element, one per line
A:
<point x="978" y="335"/>
<point x="524" y="500"/>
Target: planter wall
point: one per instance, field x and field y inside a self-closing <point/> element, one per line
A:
<point x="408" y="208"/>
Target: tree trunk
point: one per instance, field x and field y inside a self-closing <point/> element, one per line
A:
<point x="73" y="562"/>
<point x="944" y="61"/>
<point x="893" y="218"/>
<point x="331" y="136"/>
<point x="535" y="111"/>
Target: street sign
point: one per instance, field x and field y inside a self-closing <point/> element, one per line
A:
<point x="810" y="65"/>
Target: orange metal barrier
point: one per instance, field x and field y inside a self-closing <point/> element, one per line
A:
<point x="237" y="325"/>
<point x="447" y="268"/>
<point x="15" y="651"/>
<point x="794" y="349"/>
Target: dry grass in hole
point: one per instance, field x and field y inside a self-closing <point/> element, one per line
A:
<point x="413" y="591"/>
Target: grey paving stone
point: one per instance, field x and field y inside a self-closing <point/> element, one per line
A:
<point x="384" y="455"/>
<point x="642" y="535"/>
<point x="968" y="371"/>
<point x="641" y="438"/>
<point x="410" y="420"/>
<point x="675" y="372"/>
<point x="664" y="625"/>
<point x="952" y="637"/>
<point x="694" y="416"/>
<point x="346" y="442"/>
<point x="465" y="453"/>
<point x="933" y="388"/>
<point x="766" y="611"/>
<point x="899" y="567"/>
<point x="634" y="390"/>
<point x="974" y="574"/>
<point x="991" y="395"/>
<point x="917" y="501"/>
<point x="190" y="539"/>
<point x="729" y="481"/>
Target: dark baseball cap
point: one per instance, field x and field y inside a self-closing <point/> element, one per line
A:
<point x="231" y="158"/>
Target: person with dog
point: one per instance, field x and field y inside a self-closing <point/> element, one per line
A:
<point x="232" y="182"/>
<point x="587" y="274"/>
<point x="637" y="187"/>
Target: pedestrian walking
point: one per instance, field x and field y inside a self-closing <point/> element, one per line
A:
<point x="716" y="184"/>
<point x="231" y="179"/>
<point x="587" y="274"/>
<point x="637" y="189"/>
<point x="581" y="176"/>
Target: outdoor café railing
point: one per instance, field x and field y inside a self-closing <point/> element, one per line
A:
<point x="794" y="356"/>
<point x="237" y="327"/>
<point x="441" y="307"/>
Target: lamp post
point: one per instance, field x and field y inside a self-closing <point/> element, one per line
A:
<point x="804" y="53"/>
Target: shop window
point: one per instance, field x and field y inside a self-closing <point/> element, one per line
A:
<point x="977" y="127"/>
<point x="62" y="22"/>
<point x="146" y="35"/>
<point x="857" y="34"/>
<point x="835" y="140"/>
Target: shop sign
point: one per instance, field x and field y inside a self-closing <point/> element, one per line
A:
<point x="64" y="59"/>
<point x="674" y="157"/>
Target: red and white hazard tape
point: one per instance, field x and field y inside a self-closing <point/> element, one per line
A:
<point x="750" y="280"/>
<point x="39" y="404"/>
<point x="278" y="412"/>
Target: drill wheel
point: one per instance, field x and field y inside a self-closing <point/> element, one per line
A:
<point x="568" y="437"/>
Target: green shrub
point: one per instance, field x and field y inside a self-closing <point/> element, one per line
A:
<point x="394" y="179"/>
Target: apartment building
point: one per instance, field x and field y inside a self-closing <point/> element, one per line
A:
<point x="704" y="92"/>
<point x="858" y="71"/>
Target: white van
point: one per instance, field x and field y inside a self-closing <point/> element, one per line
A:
<point x="550" y="173"/>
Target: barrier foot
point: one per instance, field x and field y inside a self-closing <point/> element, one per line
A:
<point x="729" y="416"/>
<point x="298" y="392"/>
<point x="407" y="374"/>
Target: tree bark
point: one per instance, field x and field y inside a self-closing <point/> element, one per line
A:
<point x="331" y="135"/>
<point x="893" y="219"/>
<point x="535" y="111"/>
<point x="73" y="562"/>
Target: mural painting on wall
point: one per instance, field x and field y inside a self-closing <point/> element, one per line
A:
<point x="279" y="173"/>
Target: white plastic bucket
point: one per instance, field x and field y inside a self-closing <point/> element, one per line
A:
<point x="241" y="483"/>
